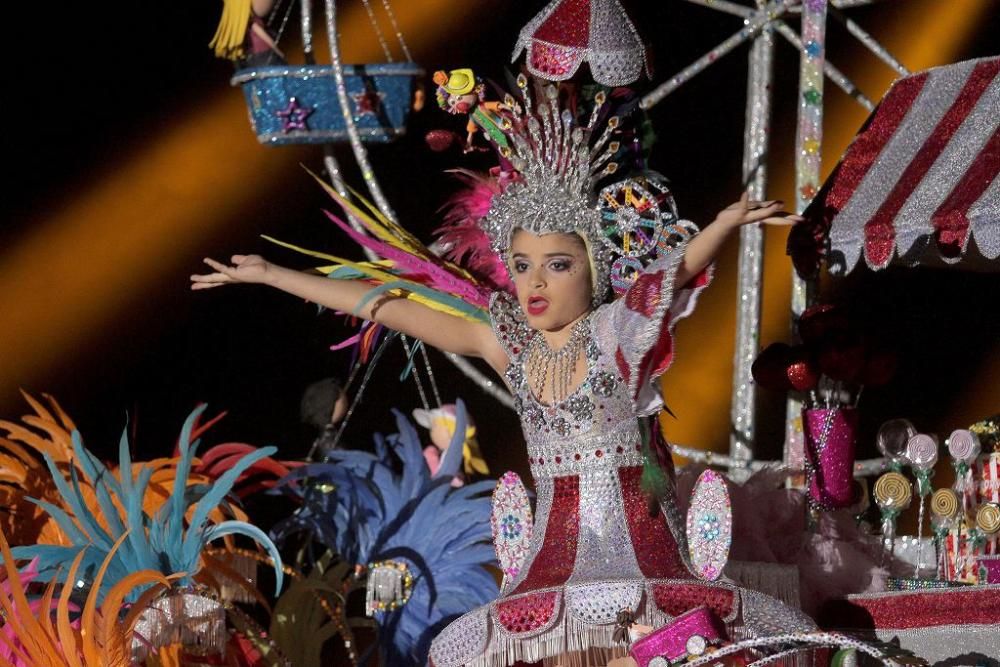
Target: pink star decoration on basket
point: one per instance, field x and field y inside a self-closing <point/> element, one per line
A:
<point x="293" y="117"/>
<point x="367" y="102"/>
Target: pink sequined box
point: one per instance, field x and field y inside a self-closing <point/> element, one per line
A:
<point x="989" y="569"/>
<point x="698" y="626"/>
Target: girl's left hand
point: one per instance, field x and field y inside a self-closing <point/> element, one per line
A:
<point x="745" y="212"/>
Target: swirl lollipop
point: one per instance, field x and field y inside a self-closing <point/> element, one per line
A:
<point x="944" y="511"/>
<point x="988" y="519"/>
<point x="922" y="453"/>
<point x="892" y="439"/>
<point x="964" y="447"/>
<point x="892" y="495"/>
<point x="944" y="505"/>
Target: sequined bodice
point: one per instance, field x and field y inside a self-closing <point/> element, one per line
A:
<point x="594" y="427"/>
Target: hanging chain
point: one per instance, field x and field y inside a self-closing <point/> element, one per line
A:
<point x="284" y="19"/>
<point x="430" y="373"/>
<point x="378" y="30"/>
<point x="395" y="27"/>
<point x="416" y="375"/>
<point x="361" y="390"/>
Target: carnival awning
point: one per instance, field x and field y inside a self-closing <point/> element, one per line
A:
<point x="920" y="182"/>
<point x="567" y="33"/>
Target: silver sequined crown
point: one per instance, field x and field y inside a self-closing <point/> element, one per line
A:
<point x="558" y="162"/>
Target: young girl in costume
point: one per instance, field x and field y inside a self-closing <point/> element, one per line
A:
<point x="582" y="371"/>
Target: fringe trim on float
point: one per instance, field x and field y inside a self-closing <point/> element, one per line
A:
<point x="191" y="619"/>
<point x="775" y="579"/>
<point x="569" y="642"/>
<point x="246" y="568"/>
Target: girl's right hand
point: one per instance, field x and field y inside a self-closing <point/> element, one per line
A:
<point x="244" y="269"/>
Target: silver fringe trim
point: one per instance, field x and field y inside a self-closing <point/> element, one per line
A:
<point x="190" y="619"/>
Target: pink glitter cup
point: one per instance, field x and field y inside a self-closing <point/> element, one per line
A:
<point x="830" y="443"/>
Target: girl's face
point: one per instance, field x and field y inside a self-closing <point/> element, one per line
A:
<point x="552" y="277"/>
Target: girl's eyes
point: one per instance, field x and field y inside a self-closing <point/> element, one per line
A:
<point x="558" y="265"/>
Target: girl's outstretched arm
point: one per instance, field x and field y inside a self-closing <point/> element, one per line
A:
<point x="703" y="248"/>
<point x="441" y="330"/>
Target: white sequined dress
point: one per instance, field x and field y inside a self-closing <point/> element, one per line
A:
<point x="596" y="550"/>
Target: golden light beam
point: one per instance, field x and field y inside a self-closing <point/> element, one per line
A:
<point x="143" y="223"/>
<point x="924" y="34"/>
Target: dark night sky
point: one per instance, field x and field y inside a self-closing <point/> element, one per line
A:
<point x="88" y="82"/>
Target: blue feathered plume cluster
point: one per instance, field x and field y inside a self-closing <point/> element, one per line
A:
<point x="164" y="542"/>
<point x="374" y="507"/>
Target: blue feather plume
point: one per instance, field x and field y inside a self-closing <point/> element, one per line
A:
<point x="387" y="506"/>
<point x="164" y="542"/>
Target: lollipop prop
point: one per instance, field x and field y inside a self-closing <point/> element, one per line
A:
<point x="892" y="495"/>
<point x="988" y="519"/>
<point x="892" y="439"/>
<point x="922" y="453"/>
<point x="944" y="511"/>
<point x="964" y="447"/>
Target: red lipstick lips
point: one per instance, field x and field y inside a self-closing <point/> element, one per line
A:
<point x="537" y="305"/>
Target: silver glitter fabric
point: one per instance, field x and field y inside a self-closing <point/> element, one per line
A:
<point x="181" y="617"/>
<point x="596" y="550"/>
<point x="567" y="33"/>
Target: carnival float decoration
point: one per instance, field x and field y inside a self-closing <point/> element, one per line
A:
<point x="343" y="506"/>
<point x="420" y="544"/>
<point x="918" y="184"/>
<point x="295" y="104"/>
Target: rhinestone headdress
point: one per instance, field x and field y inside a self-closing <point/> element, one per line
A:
<point x="558" y="163"/>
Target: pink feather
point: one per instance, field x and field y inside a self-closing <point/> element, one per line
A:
<point x="769" y="526"/>
<point x="462" y="238"/>
<point x="418" y="269"/>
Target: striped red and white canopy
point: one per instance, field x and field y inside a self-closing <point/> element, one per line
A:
<point x="921" y="181"/>
<point x="567" y="33"/>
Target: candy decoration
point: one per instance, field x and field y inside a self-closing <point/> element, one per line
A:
<point x="922" y="453"/>
<point x="988" y="518"/>
<point x="944" y="504"/>
<point x="892" y="439"/>
<point x="512" y="523"/>
<point x="892" y="495"/>
<point x="893" y="492"/>
<point x="944" y="511"/>
<point x="709" y="525"/>
<point x="964" y="447"/>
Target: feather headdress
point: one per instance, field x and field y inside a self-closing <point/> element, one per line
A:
<point x="387" y="506"/>
<point x="44" y="632"/>
<point x="169" y="541"/>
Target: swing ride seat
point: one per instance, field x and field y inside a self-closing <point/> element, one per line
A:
<point x="299" y="104"/>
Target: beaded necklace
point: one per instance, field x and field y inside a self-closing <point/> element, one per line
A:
<point x="555" y="368"/>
